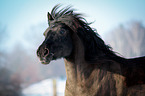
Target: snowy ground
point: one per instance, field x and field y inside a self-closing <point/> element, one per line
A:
<point x="45" y="88"/>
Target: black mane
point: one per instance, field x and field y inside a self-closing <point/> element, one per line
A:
<point x="92" y="41"/>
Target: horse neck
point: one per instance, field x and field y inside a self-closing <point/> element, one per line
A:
<point x="76" y="63"/>
<point x="82" y="75"/>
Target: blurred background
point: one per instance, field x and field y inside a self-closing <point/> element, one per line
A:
<point x="121" y="23"/>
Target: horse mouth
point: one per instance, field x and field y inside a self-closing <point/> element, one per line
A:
<point x="46" y="60"/>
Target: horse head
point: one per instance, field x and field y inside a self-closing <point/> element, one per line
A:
<point x="57" y="43"/>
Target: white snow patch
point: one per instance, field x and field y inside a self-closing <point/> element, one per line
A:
<point x="45" y="88"/>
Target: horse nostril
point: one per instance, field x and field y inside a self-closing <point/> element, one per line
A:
<point x="46" y="52"/>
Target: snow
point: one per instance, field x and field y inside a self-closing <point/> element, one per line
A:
<point x="45" y="88"/>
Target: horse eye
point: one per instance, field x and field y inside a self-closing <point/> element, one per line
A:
<point x="62" y="31"/>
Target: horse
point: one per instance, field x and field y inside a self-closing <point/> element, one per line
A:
<point x="92" y="68"/>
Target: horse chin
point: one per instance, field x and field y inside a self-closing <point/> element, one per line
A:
<point x="46" y="60"/>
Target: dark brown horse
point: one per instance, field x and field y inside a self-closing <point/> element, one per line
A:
<point x="92" y="68"/>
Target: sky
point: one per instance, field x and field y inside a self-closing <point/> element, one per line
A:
<point x="19" y="15"/>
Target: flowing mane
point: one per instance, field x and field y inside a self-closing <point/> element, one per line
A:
<point x="88" y="35"/>
<point x="92" y="68"/>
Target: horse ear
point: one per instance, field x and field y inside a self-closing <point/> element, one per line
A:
<point x="50" y="17"/>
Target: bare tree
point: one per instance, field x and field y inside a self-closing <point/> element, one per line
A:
<point x="8" y="86"/>
<point x="128" y="40"/>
